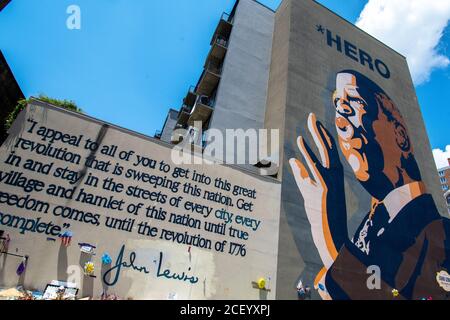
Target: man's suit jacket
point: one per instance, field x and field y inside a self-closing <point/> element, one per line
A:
<point x="410" y="252"/>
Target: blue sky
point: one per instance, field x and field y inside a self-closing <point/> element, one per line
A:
<point x="130" y="63"/>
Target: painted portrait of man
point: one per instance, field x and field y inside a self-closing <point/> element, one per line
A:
<point x="403" y="233"/>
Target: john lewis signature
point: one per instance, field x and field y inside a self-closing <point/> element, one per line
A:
<point x="112" y="276"/>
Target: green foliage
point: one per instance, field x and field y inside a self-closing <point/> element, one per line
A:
<point x="13" y="114"/>
<point x="22" y="104"/>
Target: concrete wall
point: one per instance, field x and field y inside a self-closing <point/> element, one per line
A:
<point x="242" y="92"/>
<point x="301" y="37"/>
<point x="278" y="76"/>
<point x="290" y="261"/>
<point x="219" y="273"/>
<point x="169" y="126"/>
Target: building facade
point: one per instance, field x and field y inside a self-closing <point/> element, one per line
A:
<point x="355" y="150"/>
<point x="319" y="64"/>
<point x="444" y="179"/>
<point x="231" y="92"/>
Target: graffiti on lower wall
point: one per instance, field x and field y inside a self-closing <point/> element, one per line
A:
<point x="403" y="236"/>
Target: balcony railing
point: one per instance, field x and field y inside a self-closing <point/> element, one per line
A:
<point x="218" y="49"/>
<point x="210" y="78"/>
<point x="202" y="111"/>
<point x="190" y="98"/>
<point x="221" y="41"/>
<point x="204" y="100"/>
<point x="226" y="17"/>
<point x="186" y="108"/>
<point x="214" y="66"/>
<point x="196" y="105"/>
<point x="223" y="27"/>
<point x="183" y="115"/>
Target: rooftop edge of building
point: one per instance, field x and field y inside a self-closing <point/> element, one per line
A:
<point x="334" y="13"/>
<point x="36" y="102"/>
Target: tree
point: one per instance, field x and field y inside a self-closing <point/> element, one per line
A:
<point x="22" y="104"/>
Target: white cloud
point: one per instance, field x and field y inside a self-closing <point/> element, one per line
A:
<point x="412" y="27"/>
<point x="441" y="157"/>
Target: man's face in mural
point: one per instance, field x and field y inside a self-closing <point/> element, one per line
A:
<point x="351" y="108"/>
<point x="372" y="137"/>
<point x="371" y="134"/>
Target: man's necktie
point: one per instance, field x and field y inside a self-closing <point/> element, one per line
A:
<point x="373" y="227"/>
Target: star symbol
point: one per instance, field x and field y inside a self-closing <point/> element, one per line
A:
<point x="320" y="29"/>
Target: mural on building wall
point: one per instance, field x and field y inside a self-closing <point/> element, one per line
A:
<point x="111" y="213"/>
<point x="403" y="236"/>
